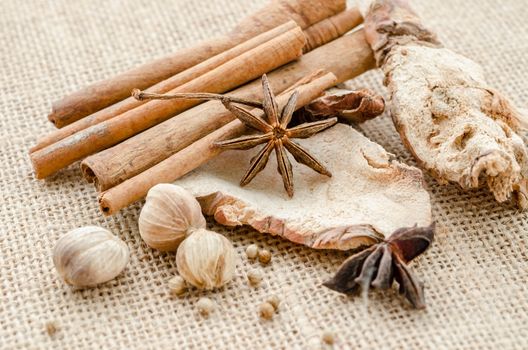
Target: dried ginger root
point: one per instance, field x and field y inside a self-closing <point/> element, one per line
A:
<point x="456" y="126"/>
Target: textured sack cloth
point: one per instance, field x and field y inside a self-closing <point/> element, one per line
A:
<point x="475" y="274"/>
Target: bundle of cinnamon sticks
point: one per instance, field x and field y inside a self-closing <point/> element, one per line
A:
<point x="127" y="146"/>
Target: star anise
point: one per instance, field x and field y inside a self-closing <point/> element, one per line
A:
<point x="382" y="263"/>
<point x="277" y="136"/>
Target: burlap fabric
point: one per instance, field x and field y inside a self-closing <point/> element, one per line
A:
<point x="475" y="274"/>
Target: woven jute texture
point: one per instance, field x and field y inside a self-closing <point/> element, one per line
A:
<point x="475" y="274"/>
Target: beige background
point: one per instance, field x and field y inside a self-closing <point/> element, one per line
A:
<point x="475" y="273"/>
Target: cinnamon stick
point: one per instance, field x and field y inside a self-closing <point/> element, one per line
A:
<point x="164" y="86"/>
<point x="248" y="66"/>
<point x="196" y="154"/>
<point x="316" y="35"/>
<point x="346" y="57"/>
<point x="107" y="92"/>
<point x="331" y="28"/>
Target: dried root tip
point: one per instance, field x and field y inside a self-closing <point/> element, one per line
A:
<point x="381" y="264"/>
<point x="389" y="23"/>
<point x="349" y="106"/>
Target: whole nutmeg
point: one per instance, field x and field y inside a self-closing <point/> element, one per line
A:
<point x="89" y="255"/>
<point x="168" y="214"/>
<point x="206" y="259"/>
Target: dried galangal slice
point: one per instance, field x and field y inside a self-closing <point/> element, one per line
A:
<point x="368" y="197"/>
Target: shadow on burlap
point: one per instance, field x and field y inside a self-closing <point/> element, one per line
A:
<point x="475" y="274"/>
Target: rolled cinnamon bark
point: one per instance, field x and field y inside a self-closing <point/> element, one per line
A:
<point x="346" y="57"/>
<point x="331" y="28"/>
<point x="107" y="92"/>
<point x="248" y="66"/>
<point x="198" y="153"/>
<point x="316" y="35"/>
<point x="164" y="86"/>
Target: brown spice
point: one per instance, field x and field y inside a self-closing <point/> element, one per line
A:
<point x="349" y="106"/>
<point x="382" y="263"/>
<point x="252" y="251"/>
<point x="277" y="136"/>
<point x="198" y="153"/>
<point x="458" y="128"/>
<point x="263" y="58"/>
<point x="138" y="154"/>
<point x="328" y="337"/>
<point x="254" y="277"/>
<point x="107" y="92"/>
<point x="266" y="311"/>
<point x="51" y="328"/>
<point x="162" y="87"/>
<point x="177" y="286"/>
<point x="264" y="256"/>
<point x="205" y="306"/>
<point x="166" y="161"/>
<point x="274" y="301"/>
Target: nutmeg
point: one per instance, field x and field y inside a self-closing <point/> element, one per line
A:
<point x="167" y="216"/>
<point x="89" y="255"/>
<point x="206" y="259"/>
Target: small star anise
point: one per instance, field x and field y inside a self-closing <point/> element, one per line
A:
<point x="277" y="136"/>
<point x="380" y="264"/>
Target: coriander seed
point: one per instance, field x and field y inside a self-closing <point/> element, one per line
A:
<point x="264" y="256"/>
<point x="274" y="301"/>
<point x="254" y="277"/>
<point x="252" y="251"/>
<point x="328" y="337"/>
<point x="266" y="311"/>
<point x="177" y="285"/>
<point x="205" y="306"/>
<point x="51" y="328"/>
